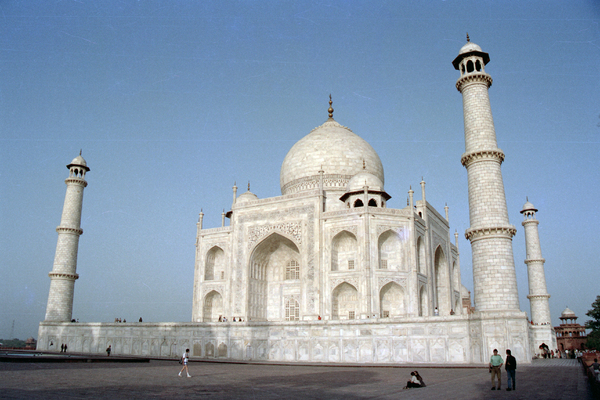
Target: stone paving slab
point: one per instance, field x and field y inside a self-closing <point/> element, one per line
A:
<point x="543" y="379"/>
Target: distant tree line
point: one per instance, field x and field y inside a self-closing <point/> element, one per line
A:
<point x="14" y="343"/>
<point x="593" y="339"/>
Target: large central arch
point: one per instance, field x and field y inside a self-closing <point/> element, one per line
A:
<point x="267" y="276"/>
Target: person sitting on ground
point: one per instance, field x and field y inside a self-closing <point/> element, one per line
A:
<point x="421" y="381"/>
<point x="414" y="381"/>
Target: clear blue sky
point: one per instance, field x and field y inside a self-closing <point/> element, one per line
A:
<point x="172" y="102"/>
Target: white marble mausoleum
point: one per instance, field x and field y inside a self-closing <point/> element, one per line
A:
<point x="326" y="272"/>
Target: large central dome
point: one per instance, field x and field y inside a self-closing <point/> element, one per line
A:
<point x="333" y="148"/>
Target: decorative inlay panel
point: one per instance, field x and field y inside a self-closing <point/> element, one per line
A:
<point x="209" y="288"/>
<point x="350" y="228"/>
<point x="293" y="229"/>
<point x="400" y="230"/>
<point x="335" y="282"/>
<point x="385" y="280"/>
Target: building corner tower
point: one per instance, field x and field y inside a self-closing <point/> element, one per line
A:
<point x="541" y="329"/>
<point x="64" y="270"/>
<point x="496" y="298"/>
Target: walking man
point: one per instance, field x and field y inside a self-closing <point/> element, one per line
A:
<point x="495" y="365"/>
<point x="184" y="359"/>
<point x="511" y="366"/>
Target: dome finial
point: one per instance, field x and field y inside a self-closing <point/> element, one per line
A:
<point x="248" y="185"/>
<point x="330" y="110"/>
<point x="468" y="39"/>
<point x="80" y="150"/>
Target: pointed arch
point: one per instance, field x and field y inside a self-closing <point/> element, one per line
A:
<point x="391" y="300"/>
<point x="372" y="203"/>
<point x="213" y="306"/>
<point x="358" y="203"/>
<point x="470" y="67"/>
<point x="344" y="252"/>
<point x="344" y="302"/>
<point x="455" y="278"/>
<point x="423" y="303"/>
<point x="421" y="259"/>
<point x="214" y="265"/>
<point x="442" y="282"/>
<point x="267" y="273"/>
<point x="390" y="248"/>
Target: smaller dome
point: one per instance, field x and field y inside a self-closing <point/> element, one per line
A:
<point x="79" y="161"/>
<point x="362" y="179"/>
<point x="464" y="292"/>
<point x="469" y="47"/>
<point x="246" y="197"/>
<point x="528" y="207"/>
<point x="568" y="313"/>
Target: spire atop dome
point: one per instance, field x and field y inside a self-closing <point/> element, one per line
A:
<point x="330" y="110"/>
<point x="468" y="39"/>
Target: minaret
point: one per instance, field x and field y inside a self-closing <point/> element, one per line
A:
<point x="490" y="233"/>
<point x="63" y="275"/>
<point x="538" y="294"/>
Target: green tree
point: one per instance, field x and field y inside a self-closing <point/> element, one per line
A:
<point x="593" y="341"/>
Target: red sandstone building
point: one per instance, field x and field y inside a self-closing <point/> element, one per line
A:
<point x="569" y="334"/>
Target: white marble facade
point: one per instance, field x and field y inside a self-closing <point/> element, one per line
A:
<point x="326" y="272"/>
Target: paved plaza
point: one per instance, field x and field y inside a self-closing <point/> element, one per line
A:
<point x="544" y="379"/>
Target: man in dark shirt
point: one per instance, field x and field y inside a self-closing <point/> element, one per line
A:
<point x="510" y="367"/>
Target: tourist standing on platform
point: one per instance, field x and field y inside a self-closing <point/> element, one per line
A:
<point x="184" y="359"/>
<point x="108" y="350"/>
<point x="511" y="366"/>
<point x="495" y="365"/>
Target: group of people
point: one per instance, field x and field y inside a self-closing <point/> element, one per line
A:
<point x="63" y="348"/>
<point x="416" y="381"/>
<point x="124" y="320"/>
<point x="224" y="319"/>
<point x="495" y="367"/>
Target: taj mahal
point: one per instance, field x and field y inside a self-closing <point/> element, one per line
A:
<point x="326" y="272"/>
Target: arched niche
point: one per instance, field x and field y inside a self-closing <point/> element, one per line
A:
<point x="391" y="300"/>
<point x="390" y="249"/>
<point x="214" y="267"/>
<point x="213" y="306"/>
<point x="442" y="282"/>
<point x="423" y="303"/>
<point x="267" y="274"/>
<point x="344" y="302"/>
<point x="344" y="252"/>
<point x="421" y="258"/>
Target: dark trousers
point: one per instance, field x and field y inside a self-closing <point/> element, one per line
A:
<point x="511" y="378"/>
